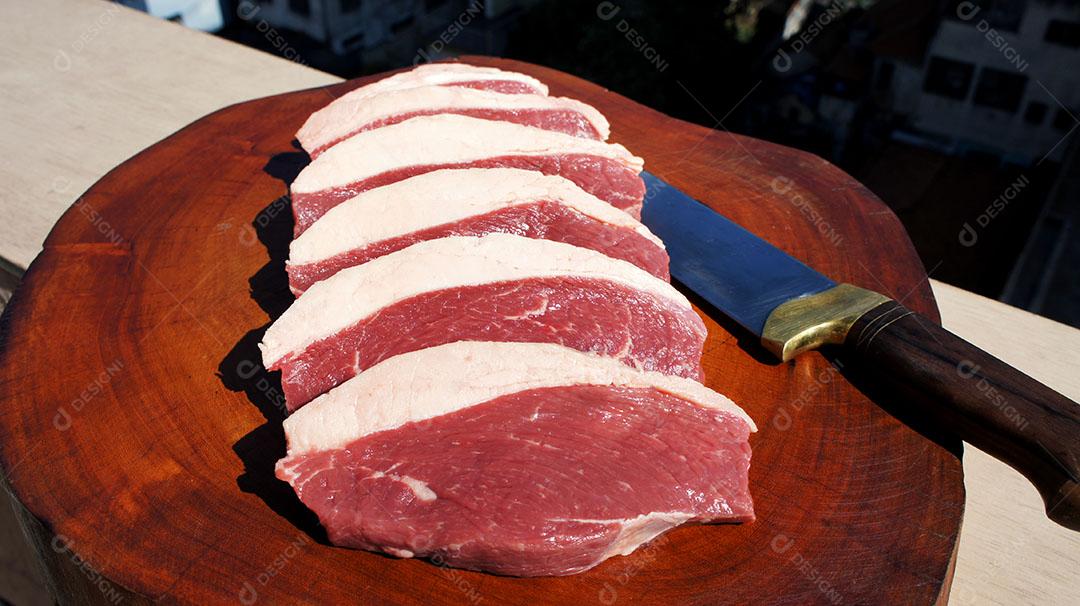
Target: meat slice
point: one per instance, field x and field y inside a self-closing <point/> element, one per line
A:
<point x="516" y="458"/>
<point x="419" y="145"/>
<point x="338" y="121"/>
<point x="499" y="287"/>
<point x="448" y="74"/>
<point x="468" y="202"/>
<point x="451" y="75"/>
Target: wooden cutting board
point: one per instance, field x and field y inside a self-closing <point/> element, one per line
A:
<point x="140" y="433"/>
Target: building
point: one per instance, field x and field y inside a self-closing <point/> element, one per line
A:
<point x="389" y="31"/>
<point x="999" y="77"/>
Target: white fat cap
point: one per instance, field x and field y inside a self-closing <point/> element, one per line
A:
<point x="341" y="119"/>
<point x="443" y="139"/>
<point x="440" y="197"/>
<point x="439" y="380"/>
<point x="355" y="293"/>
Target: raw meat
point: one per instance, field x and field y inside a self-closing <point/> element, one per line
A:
<point x="448" y="74"/>
<point x="454" y="75"/>
<point x="498" y="287"/>
<point x="468" y="202"/>
<point x="516" y="458"/>
<point x="389" y="154"/>
<point x="339" y="121"/>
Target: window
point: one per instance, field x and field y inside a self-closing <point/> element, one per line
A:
<point x="354" y="41"/>
<point x="1035" y="113"/>
<point x="999" y="89"/>
<point x="948" y="78"/>
<point x="398" y="26"/>
<point x="300" y="7"/>
<point x="1005" y="15"/>
<point x="983" y="156"/>
<point x="885" y="75"/>
<point x="1002" y="15"/>
<point x="1065" y="33"/>
<point x="1063" y="121"/>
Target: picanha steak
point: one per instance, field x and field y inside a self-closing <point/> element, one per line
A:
<point x="467" y="202"/>
<point x="516" y="458"/>
<point x="454" y="75"/>
<point x="325" y="129"/>
<point x="499" y="287"/>
<point x="425" y="143"/>
<point x="486" y="363"/>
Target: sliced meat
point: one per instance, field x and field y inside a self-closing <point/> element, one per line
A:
<point x="449" y="74"/>
<point x="452" y="75"/>
<point x="498" y="287"/>
<point x="516" y="458"/>
<point x="468" y="202"/>
<point x="419" y="145"/>
<point x="338" y="121"/>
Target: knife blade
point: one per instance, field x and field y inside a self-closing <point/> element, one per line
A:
<point x="738" y="272"/>
<point x="792" y="309"/>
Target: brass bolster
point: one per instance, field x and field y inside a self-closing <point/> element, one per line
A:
<point x="809" y="322"/>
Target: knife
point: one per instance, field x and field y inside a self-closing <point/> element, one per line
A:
<point x="793" y="309"/>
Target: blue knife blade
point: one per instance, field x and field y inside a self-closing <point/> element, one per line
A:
<point x="740" y="274"/>
<point x="793" y="309"/>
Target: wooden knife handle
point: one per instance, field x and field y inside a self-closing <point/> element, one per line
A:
<point x="982" y="400"/>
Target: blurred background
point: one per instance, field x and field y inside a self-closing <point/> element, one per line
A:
<point x="958" y="114"/>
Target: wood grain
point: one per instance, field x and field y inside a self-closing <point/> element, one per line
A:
<point x="138" y="428"/>
<point x="1009" y="552"/>
<point x="981" y="399"/>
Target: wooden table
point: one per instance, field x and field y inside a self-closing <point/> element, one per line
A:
<point x="88" y="84"/>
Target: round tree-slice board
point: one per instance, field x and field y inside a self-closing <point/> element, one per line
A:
<point x="140" y="432"/>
